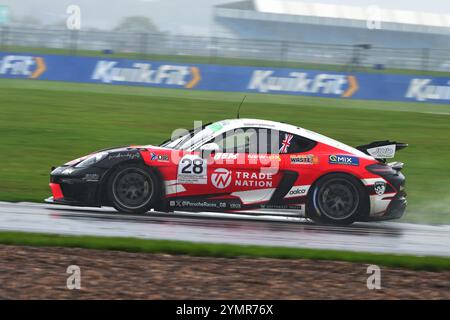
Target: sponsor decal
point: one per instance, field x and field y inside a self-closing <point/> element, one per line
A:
<point x="215" y="126"/>
<point x="299" y="207"/>
<point x="424" y="89"/>
<point x="286" y="143"/>
<point x="22" y="66"/>
<point x="328" y="84"/>
<point x="235" y="206"/>
<point x="304" y="159"/>
<point x="382" y="152"/>
<point x="192" y="170"/>
<point x="225" y="156"/>
<point x="205" y="204"/>
<point x="221" y="178"/>
<point x="343" y="160"/>
<point x="252" y="158"/>
<point x="126" y="155"/>
<point x="253" y="179"/>
<point x="159" y="157"/>
<point x="200" y="204"/>
<point x="297" y="191"/>
<point x="265" y="156"/>
<point x="379" y="187"/>
<point x="108" y="71"/>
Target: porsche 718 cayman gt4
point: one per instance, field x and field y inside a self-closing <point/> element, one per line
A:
<point x="241" y="165"/>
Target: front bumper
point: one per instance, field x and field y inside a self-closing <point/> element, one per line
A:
<point x="392" y="204"/>
<point x="65" y="202"/>
<point x="395" y="210"/>
<point x="76" y="186"/>
<point x="397" y="206"/>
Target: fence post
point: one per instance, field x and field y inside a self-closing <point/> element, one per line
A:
<point x="213" y="41"/>
<point x="283" y="54"/>
<point x="143" y="45"/>
<point x="4" y="38"/>
<point x="73" y="41"/>
<point x="425" y="59"/>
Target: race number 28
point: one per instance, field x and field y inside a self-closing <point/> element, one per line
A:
<point x="192" y="170"/>
<point x="192" y="166"/>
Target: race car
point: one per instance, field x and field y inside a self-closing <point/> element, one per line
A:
<point x="247" y="166"/>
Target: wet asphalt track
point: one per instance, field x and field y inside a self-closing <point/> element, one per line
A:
<point x="383" y="237"/>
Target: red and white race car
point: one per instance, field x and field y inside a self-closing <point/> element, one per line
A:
<point x="241" y="165"/>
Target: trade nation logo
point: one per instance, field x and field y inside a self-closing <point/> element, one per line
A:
<point x="221" y="178"/>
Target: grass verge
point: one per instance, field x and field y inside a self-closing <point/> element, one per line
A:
<point x="221" y="250"/>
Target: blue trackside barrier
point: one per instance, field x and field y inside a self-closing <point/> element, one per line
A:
<point x="314" y="83"/>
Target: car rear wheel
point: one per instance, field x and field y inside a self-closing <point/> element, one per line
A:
<point x="133" y="189"/>
<point x="337" y="199"/>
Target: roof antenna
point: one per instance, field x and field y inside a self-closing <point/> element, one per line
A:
<point x="239" y="108"/>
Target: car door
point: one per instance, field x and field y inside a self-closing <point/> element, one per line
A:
<point x="249" y="167"/>
<point x="243" y="169"/>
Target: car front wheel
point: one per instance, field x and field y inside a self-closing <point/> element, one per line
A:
<point x="133" y="189"/>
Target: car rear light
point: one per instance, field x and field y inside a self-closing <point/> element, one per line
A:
<point x="381" y="169"/>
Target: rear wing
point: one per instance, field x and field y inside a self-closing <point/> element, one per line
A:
<point x="382" y="150"/>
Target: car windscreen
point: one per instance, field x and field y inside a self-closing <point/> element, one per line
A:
<point x="181" y="142"/>
<point x="196" y="138"/>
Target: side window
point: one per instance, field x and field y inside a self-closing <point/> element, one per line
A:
<point x="291" y="143"/>
<point x="243" y="140"/>
<point x="262" y="141"/>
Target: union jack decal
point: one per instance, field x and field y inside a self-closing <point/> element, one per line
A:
<point x="286" y="142"/>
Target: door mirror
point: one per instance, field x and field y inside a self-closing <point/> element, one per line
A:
<point x="209" y="149"/>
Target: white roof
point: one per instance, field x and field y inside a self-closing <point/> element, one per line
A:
<point x="370" y="13"/>
<point x="231" y="124"/>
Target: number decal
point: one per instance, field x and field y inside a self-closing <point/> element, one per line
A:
<point x="196" y="164"/>
<point x="192" y="170"/>
<point x="188" y="163"/>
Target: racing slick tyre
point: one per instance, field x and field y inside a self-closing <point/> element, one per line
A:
<point x="133" y="189"/>
<point x="337" y="199"/>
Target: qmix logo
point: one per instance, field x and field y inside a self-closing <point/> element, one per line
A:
<point x="221" y="178"/>
<point x="343" y="160"/>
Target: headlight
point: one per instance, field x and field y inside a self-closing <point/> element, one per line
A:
<point x="92" y="160"/>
